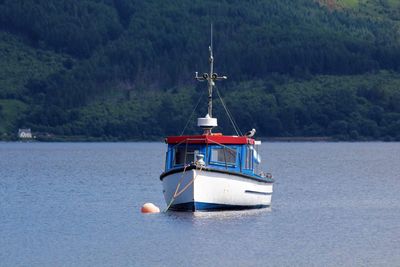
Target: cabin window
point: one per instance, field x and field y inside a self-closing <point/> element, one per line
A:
<point x="249" y="158"/>
<point x="223" y="155"/>
<point x="179" y="158"/>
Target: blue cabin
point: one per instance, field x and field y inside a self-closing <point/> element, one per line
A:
<point x="231" y="154"/>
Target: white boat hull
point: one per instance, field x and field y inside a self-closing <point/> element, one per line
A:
<point x="210" y="190"/>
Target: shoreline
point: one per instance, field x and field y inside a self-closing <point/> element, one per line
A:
<point x="82" y="139"/>
<point x="304" y="139"/>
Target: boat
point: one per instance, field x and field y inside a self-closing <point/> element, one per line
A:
<point x="212" y="171"/>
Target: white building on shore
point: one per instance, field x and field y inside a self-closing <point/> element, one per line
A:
<point x="24" y="134"/>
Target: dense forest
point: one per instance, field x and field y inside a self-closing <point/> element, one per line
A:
<point x="123" y="69"/>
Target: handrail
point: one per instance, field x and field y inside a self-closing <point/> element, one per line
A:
<point x="199" y="139"/>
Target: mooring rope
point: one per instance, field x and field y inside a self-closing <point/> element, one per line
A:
<point x="178" y="193"/>
<point x="177" y="187"/>
<point x="190" y="183"/>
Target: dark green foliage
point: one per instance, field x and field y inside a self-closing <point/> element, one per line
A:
<point x="124" y="69"/>
<point x="76" y="27"/>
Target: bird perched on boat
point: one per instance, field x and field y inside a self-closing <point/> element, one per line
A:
<point x="250" y="133"/>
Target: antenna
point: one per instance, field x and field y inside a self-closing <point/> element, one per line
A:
<point x="208" y="122"/>
<point x="211" y="39"/>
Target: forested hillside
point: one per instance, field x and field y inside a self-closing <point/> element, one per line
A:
<point x="123" y="69"/>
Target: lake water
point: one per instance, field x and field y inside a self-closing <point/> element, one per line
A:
<point x="78" y="204"/>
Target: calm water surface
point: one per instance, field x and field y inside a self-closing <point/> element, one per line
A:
<point x="78" y="204"/>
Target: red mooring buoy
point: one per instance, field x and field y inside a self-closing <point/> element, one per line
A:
<point x="150" y="208"/>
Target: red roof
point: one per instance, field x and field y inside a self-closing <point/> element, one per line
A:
<point x="216" y="138"/>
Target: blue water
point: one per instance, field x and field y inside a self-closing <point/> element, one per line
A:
<point x="78" y="204"/>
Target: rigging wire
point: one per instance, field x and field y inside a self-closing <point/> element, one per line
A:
<point x="234" y="124"/>
<point x="191" y="115"/>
